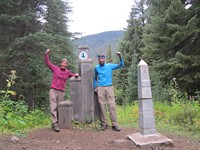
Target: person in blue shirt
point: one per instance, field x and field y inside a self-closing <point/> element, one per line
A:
<point x="104" y="89"/>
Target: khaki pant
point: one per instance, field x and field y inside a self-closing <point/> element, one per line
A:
<point x="106" y="95"/>
<point x="55" y="96"/>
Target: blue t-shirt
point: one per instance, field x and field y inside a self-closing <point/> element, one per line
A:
<point x="103" y="73"/>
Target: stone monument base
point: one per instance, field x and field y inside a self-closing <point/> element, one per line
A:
<point x="65" y="114"/>
<point x="149" y="140"/>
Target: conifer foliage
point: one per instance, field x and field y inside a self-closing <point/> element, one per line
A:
<point x="166" y="35"/>
<point x="126" y="79"/>
<point x="171" y="41"/>
<point x="28" y="28"/>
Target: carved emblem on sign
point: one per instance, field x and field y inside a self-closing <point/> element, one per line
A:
<point x="83" y="55"/>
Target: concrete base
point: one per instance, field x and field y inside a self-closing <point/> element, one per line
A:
<point x="65" y="114"/>
<point x="151" y="139"/>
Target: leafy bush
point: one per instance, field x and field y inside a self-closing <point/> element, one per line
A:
<point x="188" y="116"/>
<point x="119" y="96"/>
<point x="182" y="115"/>
<point x="10" y="81"/>
<point x="14" y="115"/>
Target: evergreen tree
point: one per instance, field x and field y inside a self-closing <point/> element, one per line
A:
<point x="56" y="17"/>
<point x="25" y="47"/>
<point x="109" y="55"/>
<point x="130" y="46"/>
<point x="172" y="42"/>
<point x="17" y="19"/>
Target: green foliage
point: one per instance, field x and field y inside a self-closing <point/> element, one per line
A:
<point x="169" y="92"/>
<point x="10" y="106"/>
<point x="181" y="116"/>
<point x="15" y="117"/>
<point x="56" y="17"/>
<point x="128" y="115"/>
<point x="10" y="82"/>
<point x="171" y="42"/>
<point x="188" y="116"/>
<point x="37" y="118"/>
<point x="28" y="28"/>
<point x="34" y="82"/>
<point x="109" y="55"/>
<point x="130" y="46"/>
<point x="119" y="96"/>
<point x="179" y="113"/>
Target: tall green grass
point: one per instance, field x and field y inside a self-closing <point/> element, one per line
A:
<point x="128" y="115"/>
<point x="179" y="117"/>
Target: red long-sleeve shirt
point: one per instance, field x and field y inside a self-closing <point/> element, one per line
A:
<point x="59" y="77"/>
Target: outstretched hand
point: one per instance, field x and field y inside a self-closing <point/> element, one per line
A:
<point x="76" y="75"/>
<point x="48" y="50"/>
<point x="119" y="54"/>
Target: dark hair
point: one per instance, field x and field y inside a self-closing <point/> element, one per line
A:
<point x="101" y="56"/>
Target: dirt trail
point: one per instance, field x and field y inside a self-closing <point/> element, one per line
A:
<point x="75" y="139"/>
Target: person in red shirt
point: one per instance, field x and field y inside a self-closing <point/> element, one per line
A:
<point x="60" y="74"/>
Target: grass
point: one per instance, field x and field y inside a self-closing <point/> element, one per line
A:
<point x="176" y="118"/>
<point x="127" y="115"/>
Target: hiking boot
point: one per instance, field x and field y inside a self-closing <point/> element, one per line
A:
<point x="55" y="127"/>
<point x="104" y="127"/>
<point x="115" y="128"/>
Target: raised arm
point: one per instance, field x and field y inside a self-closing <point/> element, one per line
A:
<point x="47" y="61"/>
<point x="121" y="59"/>
<point x="120" y="65"/>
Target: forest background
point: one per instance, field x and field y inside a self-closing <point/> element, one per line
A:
<point x="163" y="33"/>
